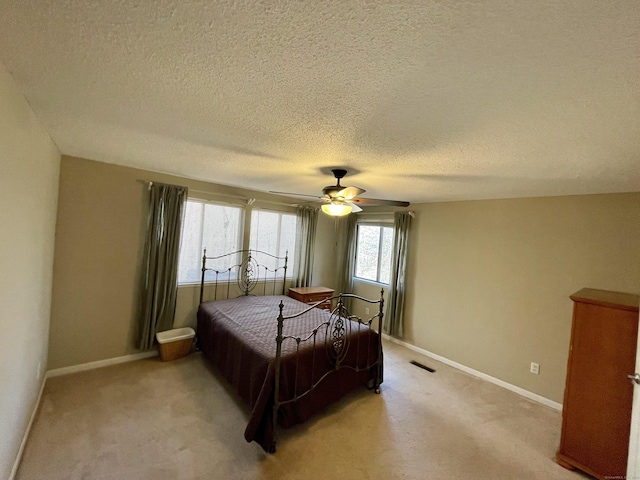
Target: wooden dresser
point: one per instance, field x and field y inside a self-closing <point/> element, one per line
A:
<point x="596" y="414"/>
<point x="311" y="295"/>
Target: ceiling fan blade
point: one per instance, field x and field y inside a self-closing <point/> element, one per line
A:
<point x="375" y="201"/>
<point x="296" y="194"/>
<point x="350" y="192"/>
<point x="354" y="208"/>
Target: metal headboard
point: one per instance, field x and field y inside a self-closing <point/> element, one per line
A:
<point x="248" y="273"/>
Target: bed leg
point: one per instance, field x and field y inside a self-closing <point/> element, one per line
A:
<point x="380" y="364"/>
<point x="376" y="385"/>
<point x="276" y="388"/>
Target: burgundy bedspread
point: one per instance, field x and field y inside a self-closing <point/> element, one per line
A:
<point x="239" y="337"/>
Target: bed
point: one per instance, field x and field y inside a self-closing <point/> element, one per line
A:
<point x="287" y="360"/>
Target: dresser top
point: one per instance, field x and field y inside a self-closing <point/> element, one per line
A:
<point x="311" y="290"/>
<point x="626" y="301"/>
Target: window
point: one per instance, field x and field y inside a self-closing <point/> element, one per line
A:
<point x="373" y="253"/>
<point x="274" y="233"/>
<point x="218" y="228"/>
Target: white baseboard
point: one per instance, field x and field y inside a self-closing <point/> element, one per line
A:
<point x="100" y="363"/>
<point x="16" y="463"/>
<point x="520" y="391"/>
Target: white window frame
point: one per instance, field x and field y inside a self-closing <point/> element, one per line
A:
<point x="381" y="225"/>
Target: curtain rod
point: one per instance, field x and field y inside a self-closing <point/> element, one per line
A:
<point x="249" y="200"/>
<point x="412" y="213"/>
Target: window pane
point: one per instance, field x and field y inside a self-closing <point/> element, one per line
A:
<point x="273" y="233"/>
<point x="386" y="255"/>
<point x="374" y="253"/>
<point x="264" y="231"/>
<point x="190" y="262"/>
<point x="367" y="252"/>
<point x="288" y="237"/>
<point x="214" y="227"/>
<point x="221" y="235"/>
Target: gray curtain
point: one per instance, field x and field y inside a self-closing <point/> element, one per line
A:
<point x="347" y="257"/>
<point x="393" y="319"/>
<point x="160" y="267"/>
<point x="305" y="243"/>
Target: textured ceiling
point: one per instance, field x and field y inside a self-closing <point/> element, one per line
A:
<point x="424" y="101"/>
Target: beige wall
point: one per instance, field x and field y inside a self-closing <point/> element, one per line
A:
<point x="325" y="263"/>
<point x="100" y="237"/>
<point x="490" y="280"/>
<point x="29" y="162"/>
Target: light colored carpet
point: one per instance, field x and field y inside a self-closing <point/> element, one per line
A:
<point x="178" y="420"/>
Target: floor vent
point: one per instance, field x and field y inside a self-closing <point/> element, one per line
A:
<point x="424" y="367"/>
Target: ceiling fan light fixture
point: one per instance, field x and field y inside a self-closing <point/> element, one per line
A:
<point x="343" y="200"/>
<point x="336" y="209"/>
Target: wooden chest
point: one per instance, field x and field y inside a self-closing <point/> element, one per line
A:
<point x="311" y="295"/>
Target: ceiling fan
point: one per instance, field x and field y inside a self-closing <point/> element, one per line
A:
<point x="342" y="200"/>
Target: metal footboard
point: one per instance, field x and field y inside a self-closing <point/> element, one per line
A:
<point x="338" y="342"/>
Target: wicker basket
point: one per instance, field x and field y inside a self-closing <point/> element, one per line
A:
<point x="176" y="343"/>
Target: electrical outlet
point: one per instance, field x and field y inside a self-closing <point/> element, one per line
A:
<point x="535" y="368"/>
<point x="366" y="310"/>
